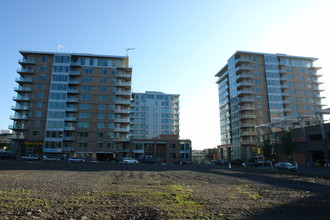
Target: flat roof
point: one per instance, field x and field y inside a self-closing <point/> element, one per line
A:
<point x="276" y="54"/>
<point x="73" y="54"/>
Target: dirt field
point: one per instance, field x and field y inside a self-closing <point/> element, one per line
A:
<point x="59" y="190"/>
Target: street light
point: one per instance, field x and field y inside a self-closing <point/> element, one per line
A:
<point x="127" y="49"/>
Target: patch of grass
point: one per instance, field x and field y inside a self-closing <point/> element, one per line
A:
<point x="248" y="191"/>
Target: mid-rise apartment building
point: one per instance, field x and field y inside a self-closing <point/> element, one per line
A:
<point x="259" y="88"/>
<point x="72" y="104"/>
<point x="153" y="114"/>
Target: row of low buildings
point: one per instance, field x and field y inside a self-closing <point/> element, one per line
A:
<point x="260" y="95"/>
<point x="75" y="104"/>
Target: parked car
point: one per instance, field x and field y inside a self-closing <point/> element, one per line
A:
<point x="237" y="162"/>
<point x="51" y="158"/>
<point x="182" y="162"/>
<point x="285" y="166"/>
<point x="130" y="160"/>
<point x="6" y="155"/>
<point x="76" y="159"/>
<point x="221" y="162"/>
<point x="250" y="163"/>
<point x="30" y="158"/>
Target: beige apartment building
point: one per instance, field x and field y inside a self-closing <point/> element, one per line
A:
<point x="261" y="88"/>
<point x="72" y="104"/>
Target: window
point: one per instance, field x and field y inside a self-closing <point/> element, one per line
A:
<point x="290" y="76"/>
<point x="304" y="99"/>
<point x="293" y="107"/>
<point x="83" y="125"/>
<point x="84" y="106"/>
<point x="86" y="88"/>
<point x="39" y="105"/>
<point x="258" y="89"/>
<point x="172" y="146"/>
<point x="82" y="144"/>
<point x="62" y="59"/>
<point x="84" y="115"/>
<point x="291" y="84"/>
<point x="87" y="79"/>
<point x="101" y="98"/>
<point x="258" y="97"/>
<point x="87" y="70"/>
<point x="99" y="145"/>
<point x="292" y="91"/>
<point x="102" y="62"/>
<point x="82" y="61"/>
<point x="302" y="77"/>
<point x="41" y="86"/>
<point x="112" y="98"/>
<point x="101" y="106"/>
<point x="82" y="134"/>
<point x="104" y="71"/>
<point x="100" y="125"/>
<point x="101" y="116"/>
<point x="99" y="134"/>
<point x="35" y="133"/>
<point x="111" y="116"/>
<point x="43" y="68"/>
<point x="44" y="59"/>
<point x="40" y="95"/>
<point x="292" y="99"/>
<point x="103" y="80"/>
<point x="91" y="61"/>
<point x="85" y="97"/>
<point x="111" y="125"/>
<point x="112" y="89"/>
<point x="103" y="89"/>
<point x="257" y="82"/>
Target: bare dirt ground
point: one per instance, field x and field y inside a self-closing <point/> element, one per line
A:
<point x="60" y="190"/>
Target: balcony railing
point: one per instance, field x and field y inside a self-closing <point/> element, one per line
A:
<point x="72" y="99"/>
<point x="68" y="148"/>
<point x="16" y="137"/>
<point x="21" y="79"/>
<point x="123" y="111"/>
<point x="126" y="93"/>
<point x="75" y="82"/>
<point x="22" y="107"/>
<point x="74" y="73"/>
<point x="22" y="89"/>
<point x="68" y="138"/>
<point x="22" y="70"/>
<point x="123" y="84"/>
<point x="73" y="91"/>
<point x="18" y="117"/>
<point x="17" y="127"/>
<point x="70" y="119"/>
<point x="116" y="129"/>
<point x="21" y="98"/>
<point x="70" y="109"/>
<point x="123" y="102"/>
<point x="27" y="61"/>
<point x="122" y="120"/>
<point x="69" y="128"/>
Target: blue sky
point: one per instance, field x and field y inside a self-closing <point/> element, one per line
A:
<point x="179" y="44"/>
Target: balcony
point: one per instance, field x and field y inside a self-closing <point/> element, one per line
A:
<point x="249" y="133"/>
<point x="26" y="61"/>
<point x="71" y="99"/>
<point x="124" y="93"/>
<point x="20" y="108"/>
<point x="244" y="76"/>
<point x="18" y="117"/>
<point x="75" y="63"/>
<point x="22" y="89"/>
<point x="245" y="100"/>
<point x="243" y="68"/>
<point x="241" y="84"/>
<point x="247" y="117"/>
<point x="122" y="111"/>
<point x="22" y="70"/>
<point x="122" y="120"/>
<point x="73" y="91"/>
<point x="123" y="84"/>
<point x="119" y="129"/>
<point x="23" y="80"/>
<point x="17" y="127"/>
<point x="70" y="109"/>
<point x="246" y="108"/>
<point x="21" y="98"/>
<point x="124" y="75"/>
<point x="245" y="91"/>
<point x="70" y="119"/>
<point x="242" y="60"/>
<point x="70" y="128"/>
<point x="247" y="142"/>
<point x="252" y="125"/>
<point x="284" y="86"/>
<point x="16" y="137"/>
<point x="124" y="102"/>
<point x="74" y="82"/>
<point x="74" y="73"/>
<point x="121" y="139"/>
<point x="68" y="138"/>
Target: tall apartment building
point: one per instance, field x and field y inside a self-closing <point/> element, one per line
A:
<point x="72" y="104"/>
<point x="153" y="114"/>
<point x="258" y="88"/>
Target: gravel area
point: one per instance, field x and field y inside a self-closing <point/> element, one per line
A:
<point x="62" y="190"/>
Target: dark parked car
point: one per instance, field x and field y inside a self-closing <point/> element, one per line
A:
<point x="285" y="166"/>
<point x="250" y="163"/>
<point x="221" y="162"/>
<point x="182" y="162"/>
<point x="237" y="162"/>
<point x="6" y="155"/>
